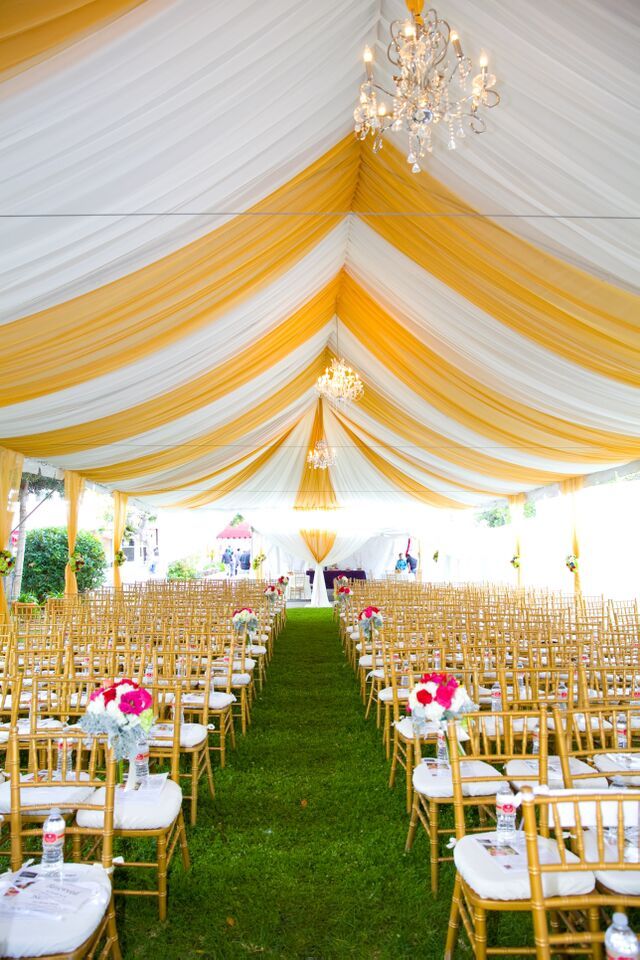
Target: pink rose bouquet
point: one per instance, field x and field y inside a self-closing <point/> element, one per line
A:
<point x="124" y="711"/>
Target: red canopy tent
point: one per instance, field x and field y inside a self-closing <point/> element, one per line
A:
<point x="241" y="532"/>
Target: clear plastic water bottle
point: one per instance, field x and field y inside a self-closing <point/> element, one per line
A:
<point x="522" y="687"/>
<point x="505" y="815"/>
<point x="621" y="733"/>
<point x="442" y="751"/>
<point x="436" y="660"/>
<point x="148" y="674"/>
<point x="142" y="761"/>
<point x="620" y="941"/>
<point x="65" y="749"/>
<point x="563" y="695"/>
<point x="53" y="830"/>
<point x="496" y="698"/>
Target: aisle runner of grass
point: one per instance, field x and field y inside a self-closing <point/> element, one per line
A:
<point x="301" y="854"/>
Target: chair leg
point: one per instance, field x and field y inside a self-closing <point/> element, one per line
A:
<point x="394" y="762"/>
<point x="593" y="921"/>
<point x="194" y="789"/>
<point x="162" y="876"/>
<point x="113" y="943"/>
<point x="434" y="845"/>
<point x="409" y="783"/>
<point x="480" y="933"/>
<point x="207" y="762"/>
<point x="454" y="921"/>
<point x="370" y="701"/>
<point x="184" y="846"/>
<point x="413" y="823"/>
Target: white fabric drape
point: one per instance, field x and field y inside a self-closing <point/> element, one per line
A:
<point x="163" y="117"/>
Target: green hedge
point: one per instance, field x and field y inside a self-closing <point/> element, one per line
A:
<point x="181" y="570"/>
<point x="45" y="557"/>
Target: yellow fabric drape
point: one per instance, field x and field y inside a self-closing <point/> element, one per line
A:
<point x="10" y="475"/>
<point x="31" y="30"/>
<point x="516" y="503"/>
<point x="570" y="488"/>
<point x="316" y="488"/>
<point x="566" y="310"/>
<point x="119" y="523"/>
<point x="459" y="396"/>
<point x="73" y="486"/>
<point x="387" y="414"/>
<point x="161" y="303"/>
<point x="258" y="358"/>
<point x="193" y="449"/>
<point x="319" y="542"/>
<point x="397" y="478"/>
<point x="236" y="480"/>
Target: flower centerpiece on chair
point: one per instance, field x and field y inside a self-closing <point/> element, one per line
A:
<point x="515" y="561"/>
<point x="436" y="556"/>
<point x="343" y="593"/>
<point x="123" y="710"/>
<point x="435" y="699"/>
<point x="119" y="558"/>
<point x="76" y="561"/>
<point x="283" y="582"/>
<point x="7" y="562"/>
<point x="258" y="560"/>
<point x="244" y="619"/>
<point x="272" y="592"/>
<point x="340" y="582"/>
<point x="370" y="617"/>
<point x="572" y="563"/>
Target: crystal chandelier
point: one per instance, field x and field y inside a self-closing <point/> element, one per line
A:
<point x="340" y="384"/>
<point x="433" y="88"/>
<point x="322" y="456"/>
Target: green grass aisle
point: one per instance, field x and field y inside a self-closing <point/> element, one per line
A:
<point x="301" y="854"/>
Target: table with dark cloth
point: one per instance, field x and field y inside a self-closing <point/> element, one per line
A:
<point x="330" y="575"/>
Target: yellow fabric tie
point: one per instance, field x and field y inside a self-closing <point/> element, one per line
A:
<point x="73" y="486"/>
<point x="10" y="475"/>
<point x="119" y="523"/>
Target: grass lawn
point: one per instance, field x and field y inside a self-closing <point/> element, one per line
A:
<point x="301" y="853"/>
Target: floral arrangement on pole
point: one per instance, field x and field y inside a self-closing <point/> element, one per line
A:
<point x="572" y="563"/>
<point x="244" y="619"/>
<point x="340" y="582"/>
<point x="515" y="561"/>
<point x="258" y="560"/>
<point x="119" y="558"/>
<point x="283" y="582"/>
<point x="272" y="592"/>
<point x="122" y="710"/>
<point x="370" y="617"/>
<point x="436" y="556"/>
<point x="343" y="593"/>
<point x="437" y="698"/>
<point x="7" y="562"/>
<point x="76" y="561"/>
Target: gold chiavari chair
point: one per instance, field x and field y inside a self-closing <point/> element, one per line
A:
<point x="603" y="865"/>
<point x="89" y="932"/>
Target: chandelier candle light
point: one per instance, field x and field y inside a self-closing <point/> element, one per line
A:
<point x="434" y="88"/>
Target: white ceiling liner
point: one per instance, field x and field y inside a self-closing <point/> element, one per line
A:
<point x="165" y="119"/>
<point x="566" y="138"/>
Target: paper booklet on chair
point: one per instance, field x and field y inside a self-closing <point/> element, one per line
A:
<point x="143" y="792"/>
<point x="513" y="857"/>
<point x="33" y="892"/>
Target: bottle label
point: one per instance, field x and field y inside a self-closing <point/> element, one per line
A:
<point x="141" y="757"/>
<point x="52" y="837"/>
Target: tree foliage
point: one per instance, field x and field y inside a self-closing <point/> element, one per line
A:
<point x="181" y="570"/>
<point x="46" y="555"/>
<point x="501" y="516"/>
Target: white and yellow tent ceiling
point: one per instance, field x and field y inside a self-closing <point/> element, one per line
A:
<point x="186" y="213"/>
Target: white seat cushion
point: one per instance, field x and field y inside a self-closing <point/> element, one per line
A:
<point x="517" y="725"/>
<point x="159" y="811"/>
<point x="257" y="649"/>
<point x="432" y="781"/>
<point x="237" y="679"/>
<point x="405" y="729"/>
<point x="523" y="772"/>
<point x="614" y="765"/>
<point x="480" y="870"/>
<point x="64" y="797"/>
<point x="367" y="661"/>
<point x="220" y="665"/>
<point x="217" y="700"/>
<point x="191" y="734"/>
<point x="622" y="881"/>
<point x="386" y="694"/>
<point x="355" y="635"/>
<point x="24" y="727"/>
<point x="37" y="935"/>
